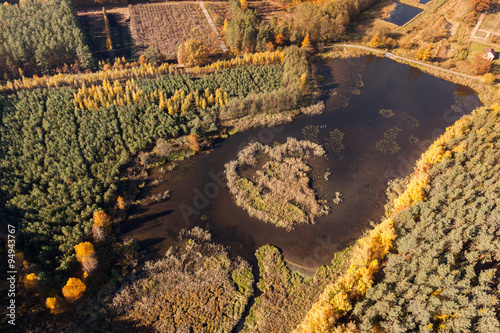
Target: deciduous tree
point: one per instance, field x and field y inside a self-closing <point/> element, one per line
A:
<point x="376" y="40"/>
<point x="482" y="5"/>
<point x="102" y="225"/>
<point x="109" y="43"/>
<point x="480" y="65"/>
<point x="488" y="78"/>
<point x="193" y="52"/>
<point x="120" y="202"/>
<point x="53" y="305"/>
<point x="306" y="43"/>
<point x="193" y="142"/>
<point x="424" y="53"/>
<point x="278" y="39"/>
<point x="73" y="289"/>
<point x="85" y="254"/>
<point x="31" y="281"/>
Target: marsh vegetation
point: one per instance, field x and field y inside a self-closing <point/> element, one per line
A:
<point x="196" y="287"/>
<point x="280" y="192"/>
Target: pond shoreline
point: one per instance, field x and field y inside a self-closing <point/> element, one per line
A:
<point x="483" y="91"/>
<point x="303" y="248"/>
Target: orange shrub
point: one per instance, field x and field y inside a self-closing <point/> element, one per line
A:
<point x="193" y="142"/>
<point x="31" y="281"/>
<point x="73" y="289"/>
<point x="53" y="305"/>
<point x="121" y="203"/>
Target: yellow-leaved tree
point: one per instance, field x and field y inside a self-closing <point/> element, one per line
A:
<point x="278" y="39"/>
<point x="30" y="281"/>
<point x="424" y="53"/>
<point x="306" y="43"/>
<point x="193" y="142"/>
<point x="192" y="52"/>
<point x="53" y="305"/>
<point x="73" y="289"/>
<point x="102" y="225"/>
<point x="85" y="254"/>
<point x="337" y="298"/>
<point x="120" y="202"/>
<point x="376" y="40"/>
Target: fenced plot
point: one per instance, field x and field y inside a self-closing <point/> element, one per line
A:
<point x="164" y="26"/>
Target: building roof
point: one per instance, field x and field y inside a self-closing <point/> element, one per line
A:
<point x="489" y="50"/>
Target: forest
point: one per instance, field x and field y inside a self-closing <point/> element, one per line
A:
<point x="432" y="264"/>
<point x="79" y="138"/>
<point x="63" y="151"/>
<point x="50" y="39"/>
<point x="322" y="22"/>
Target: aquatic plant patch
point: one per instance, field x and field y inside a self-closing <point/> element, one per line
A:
<point x="389" y="144"/>
<point x="280" y="191"/>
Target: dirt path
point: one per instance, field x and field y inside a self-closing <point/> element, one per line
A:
<point x="478" y="25"/>
<point x="393" y="56"/>
<point x="209" y="19"/>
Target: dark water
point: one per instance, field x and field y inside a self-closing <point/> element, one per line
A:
<point x="403" y="13"/>
<point x="355" y="90"/>
<point x="424" y="1"/>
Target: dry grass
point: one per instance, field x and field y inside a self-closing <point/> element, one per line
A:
<point x="195" y="288"/>
<point x="491" y="22"/>
<point x="313" y="109"/>
<point x="261" y="120"/>
<point x="280" y="192"/>
<point x="345" y="52"/>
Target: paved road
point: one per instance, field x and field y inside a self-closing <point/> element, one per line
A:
<point x="393" y="56"/>
<point x="222" y="45"/>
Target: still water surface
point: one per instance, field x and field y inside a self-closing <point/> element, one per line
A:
<point x="403" y="13"/>
<point x="366" y="98"/>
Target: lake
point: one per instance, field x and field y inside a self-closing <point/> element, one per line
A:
<point x="367" y="98"/>
<point x="402" y="14"/>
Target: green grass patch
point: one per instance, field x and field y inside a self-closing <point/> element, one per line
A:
<point x="474" y="48"/>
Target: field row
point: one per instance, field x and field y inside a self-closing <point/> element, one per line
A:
<point x="165" y="25"/>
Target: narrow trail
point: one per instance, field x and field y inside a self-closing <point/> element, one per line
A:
<point x="393" y="56"/>
<point x="478" y="25"/>
<point x="209" y="19"/>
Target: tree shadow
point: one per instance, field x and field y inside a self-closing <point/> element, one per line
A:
<point x="136" y="223"/>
